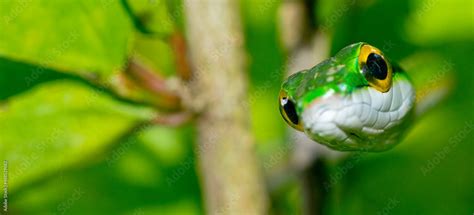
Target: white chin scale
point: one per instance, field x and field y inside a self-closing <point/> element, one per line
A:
<point x="364" y="120"/>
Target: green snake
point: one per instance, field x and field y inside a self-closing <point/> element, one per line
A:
<point x="355" y="100"/>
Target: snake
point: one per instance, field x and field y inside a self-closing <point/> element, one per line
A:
<point x="356" y="100"/>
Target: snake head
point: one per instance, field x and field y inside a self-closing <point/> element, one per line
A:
<point x="356" y="100"/>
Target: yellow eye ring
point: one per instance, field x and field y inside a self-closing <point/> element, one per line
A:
<point x="376" y="69"/>
<point x="288" y="111"/>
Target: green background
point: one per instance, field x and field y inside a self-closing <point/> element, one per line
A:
<point x="76" y="139"/>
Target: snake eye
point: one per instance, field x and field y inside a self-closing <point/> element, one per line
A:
<point x="288" y="111"/>
<point x="377" y="70"/>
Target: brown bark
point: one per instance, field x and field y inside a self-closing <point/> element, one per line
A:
<point x="231" y="180"/>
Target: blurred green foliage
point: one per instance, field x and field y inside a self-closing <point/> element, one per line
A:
<point x="80" y="37"/>
<point x="150" y="172"/>
<point x="60" y="123"/>
<point x="75" y="146"/>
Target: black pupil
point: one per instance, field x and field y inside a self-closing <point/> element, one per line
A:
<point x="376" y="66"/>
<point x="289" y="108"/>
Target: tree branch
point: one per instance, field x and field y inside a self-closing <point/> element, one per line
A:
<point x="231" y="180"/>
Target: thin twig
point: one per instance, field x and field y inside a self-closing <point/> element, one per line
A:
<point x="178" y="45"/>
<point x="153" y="82"/>
<point x="173" y="119"/>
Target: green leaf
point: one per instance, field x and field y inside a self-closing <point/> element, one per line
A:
<point x="135" y="177"/>
<point x="86" y="37"/>
<point x="16" y="77"/>
<point x="58" y="124"/>
<point x="152" y="17"/>
<point x="155" y="53"/>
